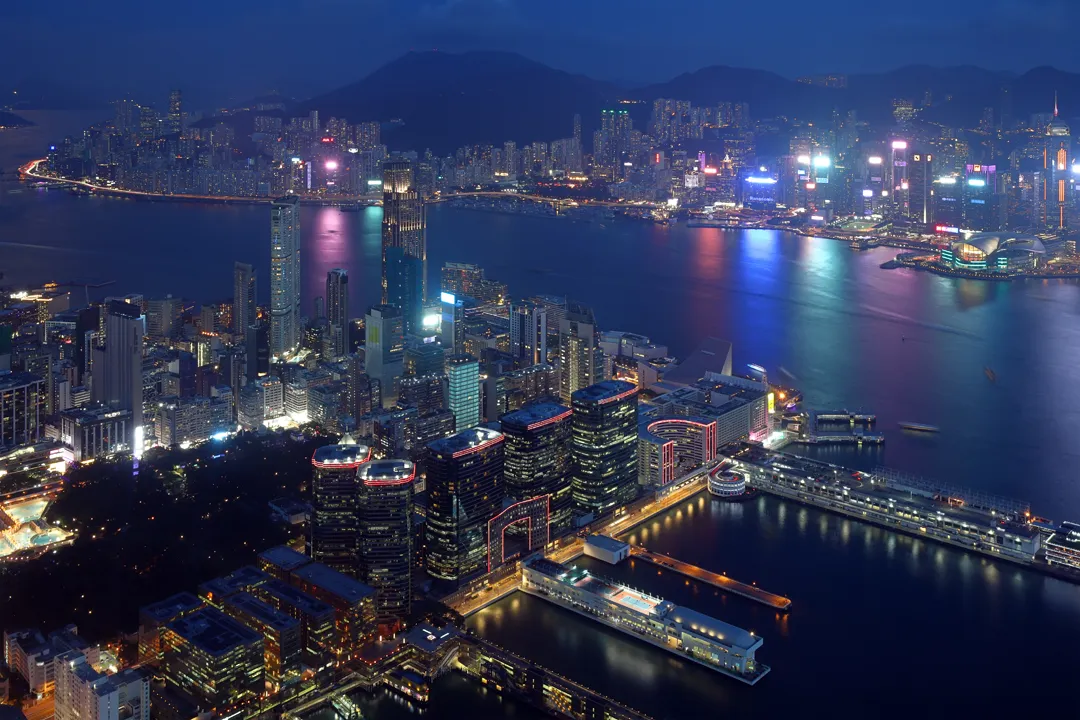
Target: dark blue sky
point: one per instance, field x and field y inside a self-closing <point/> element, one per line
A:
<point x="221" y="49"/>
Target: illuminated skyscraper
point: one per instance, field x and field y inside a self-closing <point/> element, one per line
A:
<point x="174" y="123"/>
<point x="465" y="489"/>
<point x="453" y="323"/>
<point x="604" y="445"/>
<point x="405" y="286"/>
<point x="463" y="390"/>
<point x="244" y="298"/>
<point x="117" y="368"/>
<point x="537" y="458"/>
<point x="333" y="535"/>
<point x="337" y="310"/>
<point x="385" y="547"/>
<point x="528" y="333"/>
<point x="581" y="361"/>
<point x="384" y="349"/>
<point x="1056" y="167"/>
<point x="284" y="275"/>
<point x="403" y="224"/>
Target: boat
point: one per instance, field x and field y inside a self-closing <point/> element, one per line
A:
<point x="920" y="427"/>
<point x="990" y="374"/>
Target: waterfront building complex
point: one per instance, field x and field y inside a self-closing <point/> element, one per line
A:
<point x="537" y="459"/>
<point x="669" y="448"/>
<point x="465" y="488"/>
<point x="603" y="443"/>
<point x="1063" y="546"/>
<point x="717" y="645"/>
<point x="386" y="535"/>
<point x="284" y="276"/>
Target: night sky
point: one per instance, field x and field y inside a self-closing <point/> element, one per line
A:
<point x="217" y="50"/>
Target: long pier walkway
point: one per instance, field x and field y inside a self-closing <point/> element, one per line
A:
<point x="750" y="592"/>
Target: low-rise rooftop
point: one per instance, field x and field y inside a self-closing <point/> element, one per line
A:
<point x="334" y="583"/>
<point x="247" y="604"/>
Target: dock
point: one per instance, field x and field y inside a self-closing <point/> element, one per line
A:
<point x="857" y="434"/>
<point x="723" y="582"/>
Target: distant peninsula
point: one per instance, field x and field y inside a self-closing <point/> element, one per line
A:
<point x="11" y="120"/>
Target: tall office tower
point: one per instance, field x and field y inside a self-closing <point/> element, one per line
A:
<point x="528" y="333"/>
<point x="403" y="224"/>
<point x="335" y="494"/>
<point x="581" y="361"/>
<point x="603" y="443"/>
<point x="244" y="298"/>
<point x="384" y="349"/>
<point x="257" y="349"/>
<point x="117" y="370"/>
<point x="284" y="275"/>
<point x="537" y="458"/>
<point x="1057" y="151"/>
<point x="163" y="317"/>
<point x="215" y="659"/>
<point x="465" y="489"/>
<point x="83" y="693"/>
<point x="385" y="547"/>
<point x="174" y="123"/>
<point x="405" y="286"/>
<point x="462" y="278"/>
<point x="463" y="391"/>
<point x="361" y="392"/>
<point x="86" y="325"/>
<point x="337" y="310"/>
<point x="920" y="187"/>
<point x="453" y="323"/>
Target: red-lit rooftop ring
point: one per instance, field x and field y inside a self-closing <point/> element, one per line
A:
<point x="340" y="457"/>
<point x="382" y="473"/>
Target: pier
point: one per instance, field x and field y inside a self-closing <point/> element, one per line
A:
<point x="857" y="434"/>
<point x="750" y="592"/>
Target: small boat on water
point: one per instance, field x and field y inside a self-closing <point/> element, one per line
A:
<point x="990" y="374"/>
<point x="920" y="427"/>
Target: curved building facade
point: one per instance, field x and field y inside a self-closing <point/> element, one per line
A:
<point x="385" y="535"/>
<point x="668" y="448"/>
<point x="603" y="443"/>
<point x="537" y="459"/>
<point x="335" y="493"/>
<point x="465" y="489"/>
<point x="995" y="252"/>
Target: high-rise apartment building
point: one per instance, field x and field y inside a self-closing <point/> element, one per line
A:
<point x="244" y="298"/>
<point x="465" y="489"/>
<point x="337" y="311"/>
<point x="284" y="276"/>
<point x="22" y="408"/>
<point x="174" y="121"/>
<point x="403" y="224"/>
<point x="385" y="535"/>
<point x="581" y="361"/>
<point x="537" y="459"/>
<point x="603" y="444"/>
<point x="335" y="496"/>
<point x="463" y="391"/>
<point x="117" y="369"/>
<point x="384" y="349"/>
<point x="528" y="333"/>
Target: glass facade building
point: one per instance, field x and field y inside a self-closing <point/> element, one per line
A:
<point x="537" y="458"/>
<point x="604" y="445"/>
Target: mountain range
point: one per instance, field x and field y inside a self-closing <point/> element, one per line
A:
<point x="445" y="100"/>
